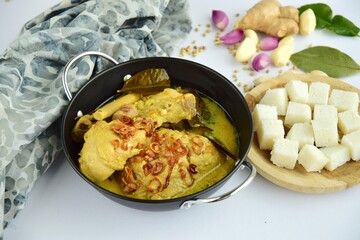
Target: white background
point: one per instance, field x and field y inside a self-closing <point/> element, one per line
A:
<point x="63" y="206"/>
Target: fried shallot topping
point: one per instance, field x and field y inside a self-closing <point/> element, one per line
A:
<point x="161" y="154"/>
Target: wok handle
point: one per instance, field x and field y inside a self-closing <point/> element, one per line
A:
<point x="189" y="203"/>
<point x="74" y="60"/>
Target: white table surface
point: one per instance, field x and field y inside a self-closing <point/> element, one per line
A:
<point x="63" y="206"/>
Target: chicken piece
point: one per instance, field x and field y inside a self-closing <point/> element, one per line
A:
<point x="170" y="166"/>
<point x="107" y="147"/>
<point x="167" y="106"/>
<point x="127" y="110"/>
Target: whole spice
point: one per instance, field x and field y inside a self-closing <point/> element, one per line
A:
<point x="220" y="19"/>
<point x="261" y="61"/>
<point x="231" y="37"/>
<point x="329" y="60"/>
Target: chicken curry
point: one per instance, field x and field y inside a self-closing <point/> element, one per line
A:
<point x="141" y="148"/>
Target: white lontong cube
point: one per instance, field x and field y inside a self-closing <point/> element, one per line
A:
<point x="349" y="121"/>
<point x="344" y="100"/>
<point x="325" y="133"/>
<point x="325" y="113"/>
<point x="297" y="113"/>
<point x="338" y="155"/>
<point x="301" y="132"/>
<point x="284" y="153"/>
<point x="352" y="140"/>
<point x="298" y="91"/>
<point x="276" y="97"/>
<point x="268" y="131"/>
<point x="318" y="93"/>
<point x="312" y="159"/>
<point x="262" y="111"/>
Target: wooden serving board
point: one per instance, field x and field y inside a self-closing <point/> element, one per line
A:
<point x="298" y="179"/>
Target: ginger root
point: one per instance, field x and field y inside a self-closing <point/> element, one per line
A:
<point x="270" y="17"/>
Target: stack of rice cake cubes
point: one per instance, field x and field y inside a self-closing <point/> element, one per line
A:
<point x="310" y="124"/>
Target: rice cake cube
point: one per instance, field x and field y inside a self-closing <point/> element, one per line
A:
<point x="349" y="121"/>
<point x="318" y="93"/>
<point x="325" y="113"/>
<point x="301" y="132"/>
<point x="297" y="113"/>
<point x="325" y="133"/>
<point x="344" y="100"/>
<point x="262" y="111"/>
<point x="338" y="155"/>
<point x="284" y="153"/>
<point x="276" y="97"/>
<point x="312" y="159"/>
<point x="298" y="91"/>
<point x="352" y="140"/>
<point x="268" y="131"/>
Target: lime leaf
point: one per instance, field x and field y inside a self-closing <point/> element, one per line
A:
<point x="148" y="81"/>
<point x="342" y="26"/>
<point x="329" y="60"/>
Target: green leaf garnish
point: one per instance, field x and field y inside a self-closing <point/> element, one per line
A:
<point x="148" y="81"/>
<point x="342" y="26"/>
<point x="329" y="60"/>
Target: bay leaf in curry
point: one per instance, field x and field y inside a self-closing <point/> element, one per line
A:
<point x="148" y="81"/>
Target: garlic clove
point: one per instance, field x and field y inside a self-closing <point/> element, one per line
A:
<point x="288" y="40"/>
<point x="249" y="33"/>
<point x="231" y="37"/>
<point x="281" y="55"/>
<point x="261" y="61"/>
<point x="220" y="19"/>
<point x="307" y="22"/>
<point x="268" y="43"/>
<point x="246" y="50"/>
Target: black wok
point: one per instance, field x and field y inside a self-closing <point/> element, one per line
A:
<point x="182" y="73"/>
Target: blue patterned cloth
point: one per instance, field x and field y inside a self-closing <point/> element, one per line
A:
<point x="32" y="98"/>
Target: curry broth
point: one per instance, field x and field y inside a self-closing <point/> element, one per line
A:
<point x="223" y="130"/>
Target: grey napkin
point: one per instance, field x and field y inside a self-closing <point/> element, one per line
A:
<point x="32" y="98"/>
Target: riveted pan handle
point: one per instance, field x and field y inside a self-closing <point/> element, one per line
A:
<point x="246" y="182"/>
<point x="74" y="60"/>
